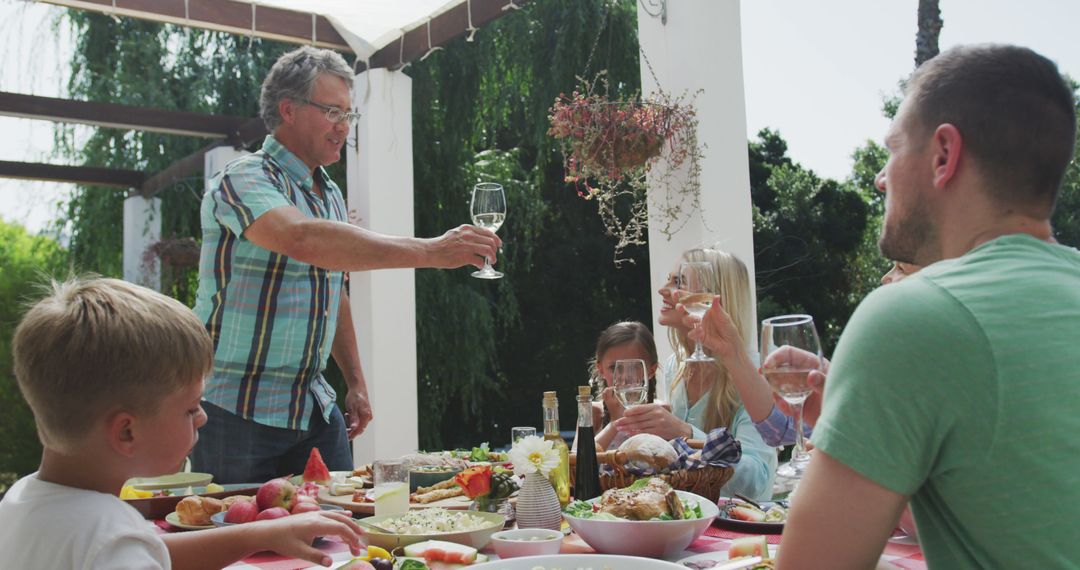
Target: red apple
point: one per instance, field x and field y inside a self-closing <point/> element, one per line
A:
<point x="276" y="493"/>
<point x="305" y="507"/>
<point x="241" y="512"/>
<point x="272" y="513"/>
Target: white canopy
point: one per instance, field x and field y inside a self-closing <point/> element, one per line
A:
<point x="369" y="25"/>
<point x="363" y="26"/>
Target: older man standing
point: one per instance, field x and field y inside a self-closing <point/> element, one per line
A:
<point x="958" y="387"/>
<point x="276" y="246"/>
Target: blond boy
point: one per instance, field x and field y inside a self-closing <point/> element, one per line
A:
<point x="114" y="375"/>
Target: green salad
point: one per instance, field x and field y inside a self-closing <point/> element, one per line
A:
<point x="584" y="509"/>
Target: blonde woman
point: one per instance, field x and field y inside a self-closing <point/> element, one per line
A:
<point x="706" y="395"/>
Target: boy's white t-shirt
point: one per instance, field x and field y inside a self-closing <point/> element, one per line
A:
<point x="45" y="525"/>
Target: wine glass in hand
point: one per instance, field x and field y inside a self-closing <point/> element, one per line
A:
<point x="791" y="350"/>
<point x="488" y="212"/>
<point x="630" y="382"/>
<point x="696" y="282"/>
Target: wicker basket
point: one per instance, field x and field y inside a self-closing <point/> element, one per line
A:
<point x="705" y="481"/>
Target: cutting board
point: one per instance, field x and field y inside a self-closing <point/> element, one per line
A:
<point x="455" y="503"/>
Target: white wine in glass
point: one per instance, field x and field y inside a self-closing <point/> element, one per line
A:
<point x="790" y="350"/>
<point x="696" y="283"/>
<point x="631" y="383"/>
<point x="488" y="212"/>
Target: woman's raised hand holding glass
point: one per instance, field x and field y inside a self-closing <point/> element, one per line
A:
<point x="696" y="285"/>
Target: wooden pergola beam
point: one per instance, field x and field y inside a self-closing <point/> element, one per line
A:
<point x="186" y="167"/>
<point x="224" y="16"/>
<point x="114" y="115"/>
<point x="445" y="27"/>
<point x="89" y="175"/>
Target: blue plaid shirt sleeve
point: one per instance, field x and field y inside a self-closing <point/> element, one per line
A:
<point x="779" y="429"/>
<point x="244" y="194"/>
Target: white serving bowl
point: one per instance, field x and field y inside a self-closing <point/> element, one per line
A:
<point x="526" y="542"/>
<point x="576" y="561"/>
<point x="655" y="539"/>
<point x="476" y="538"/>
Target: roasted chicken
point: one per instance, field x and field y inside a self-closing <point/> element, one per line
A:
<point x="649" y="502"/>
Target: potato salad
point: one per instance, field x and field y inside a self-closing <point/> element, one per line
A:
<point x="428" y="521"/>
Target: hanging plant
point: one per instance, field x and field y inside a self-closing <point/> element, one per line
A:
<point x="612" y="145"/>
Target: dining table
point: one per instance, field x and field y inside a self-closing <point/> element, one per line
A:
<point x="900" y="552"/>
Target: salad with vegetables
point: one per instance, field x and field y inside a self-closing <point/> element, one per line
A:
<point x="645" y="500"/>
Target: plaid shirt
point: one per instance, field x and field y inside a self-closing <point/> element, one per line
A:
<point x="272" y="319"/>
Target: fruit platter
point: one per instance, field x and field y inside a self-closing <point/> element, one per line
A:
<point x="743" y="516"/>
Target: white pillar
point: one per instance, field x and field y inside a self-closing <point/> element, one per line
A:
<point x="215" y="160"/>
<point x="700" y="47"/>
<point x="380" y="180"/>
<point x="142" y="229"/>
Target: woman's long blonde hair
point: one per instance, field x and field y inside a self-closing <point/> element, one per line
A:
<point x="732" y="283"/>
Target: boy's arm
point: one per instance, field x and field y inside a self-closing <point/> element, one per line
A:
<point x="289" y="536"/>
<point x="839" y="519"/>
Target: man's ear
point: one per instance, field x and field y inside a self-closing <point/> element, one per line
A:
<point x="120" y="429"/>
<point x="287" y="109"/>
<point x="947" y="144"/>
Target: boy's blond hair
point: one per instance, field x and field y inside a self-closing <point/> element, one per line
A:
<point x="94" y="345"/>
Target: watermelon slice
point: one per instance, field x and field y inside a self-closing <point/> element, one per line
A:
<point x="749" y="546"/>
<point x="442" y="551"/>
<point x="315" y="471"/>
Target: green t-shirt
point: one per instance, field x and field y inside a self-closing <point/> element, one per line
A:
<point x="960" y="386"/>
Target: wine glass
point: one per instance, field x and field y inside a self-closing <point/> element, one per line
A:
<point x="630" y="382"/>
<point x="791" y="350"/>
<point x="696" y="283"/>
<point x="488" y="212"/>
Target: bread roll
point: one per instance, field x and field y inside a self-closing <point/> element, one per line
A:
<point x="647" y="452"/>
<point x="197" y="510"/>
<point x="228" y="501"/>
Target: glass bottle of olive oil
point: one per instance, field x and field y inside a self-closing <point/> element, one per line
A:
<point x="560" y="476"/>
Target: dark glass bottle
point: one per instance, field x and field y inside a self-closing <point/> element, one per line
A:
<point x="587" y="472"/>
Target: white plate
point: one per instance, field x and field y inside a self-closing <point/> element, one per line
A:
<point x="718" y="560"/>
<point x="578" y="561"/>
<point x="174" y="519"/>
<point x="170" y="481"/>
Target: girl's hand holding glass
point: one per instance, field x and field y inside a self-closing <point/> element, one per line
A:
<point x="655" y="418"/>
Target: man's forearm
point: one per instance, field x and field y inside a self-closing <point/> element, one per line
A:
<point x="340" y="246"/>
<point x="345" y="350"/>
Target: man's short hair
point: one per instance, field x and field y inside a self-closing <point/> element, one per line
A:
<point x="94" y="345"/>
<point x="1014" y="110"/>
<point x="293" y="77"/>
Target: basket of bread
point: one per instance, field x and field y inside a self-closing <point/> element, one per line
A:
<point x="696" y="466"/>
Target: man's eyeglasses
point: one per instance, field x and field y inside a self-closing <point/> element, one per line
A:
<point x="333" y="114"/>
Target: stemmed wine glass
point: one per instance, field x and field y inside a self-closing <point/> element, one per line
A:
<point x="791" y="350"/>
<point x="696" y="281"/>
<point x="630" y="382"/>
<point x="488" y="212"/>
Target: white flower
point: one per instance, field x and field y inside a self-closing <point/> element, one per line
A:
<point x="531" y="454"/>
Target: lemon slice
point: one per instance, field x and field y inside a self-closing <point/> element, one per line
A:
<point x="376" y="552"/>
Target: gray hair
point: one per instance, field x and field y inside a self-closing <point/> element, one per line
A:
<point x="293" y="77"/>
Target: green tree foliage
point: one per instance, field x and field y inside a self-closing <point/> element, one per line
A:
<point x="488" y="349"/>
<point x="808" y="234"/>
<point x="24" y="261"/>
<point x="135" y="62"/>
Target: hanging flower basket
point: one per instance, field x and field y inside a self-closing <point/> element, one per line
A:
<point x="614" y="149"/>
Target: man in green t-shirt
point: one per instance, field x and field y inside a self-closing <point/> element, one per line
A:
<point x="957" y="388"/>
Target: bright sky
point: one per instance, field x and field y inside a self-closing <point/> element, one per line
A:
<point x="815" y="71"/>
